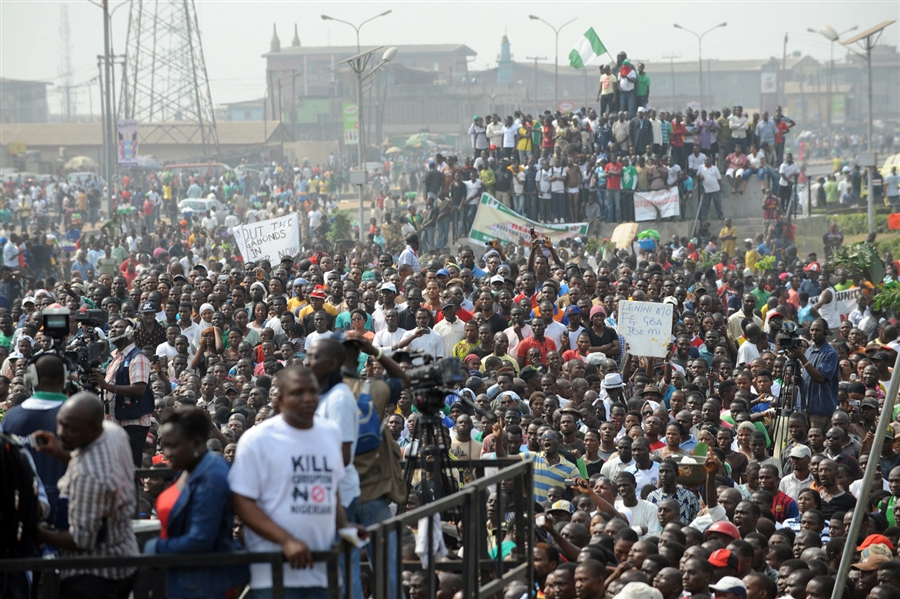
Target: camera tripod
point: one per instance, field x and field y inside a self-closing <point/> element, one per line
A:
<point x="790" y="399"/>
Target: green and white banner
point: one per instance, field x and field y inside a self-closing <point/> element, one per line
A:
<point x="495" y="221"/>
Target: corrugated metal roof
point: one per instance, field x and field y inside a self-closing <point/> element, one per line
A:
<point x="351" y="50"/>
<point x="90" y="134"/>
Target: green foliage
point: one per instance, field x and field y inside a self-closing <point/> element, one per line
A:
<point x="592" y="245"/>
<point x="339" y="226"/>
<point x="766" y="263"/>
<point x="858" y="224"/>
<point x="860" y="258"/>
<point x="888" y="297"/>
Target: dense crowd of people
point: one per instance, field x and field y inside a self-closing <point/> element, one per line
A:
<point x="278" y="393"/>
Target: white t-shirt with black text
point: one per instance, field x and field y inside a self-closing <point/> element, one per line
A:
<point x="293" y="476"/>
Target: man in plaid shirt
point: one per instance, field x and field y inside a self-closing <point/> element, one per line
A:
<point x="97" y="498"/>
<point x="127" y="393"/>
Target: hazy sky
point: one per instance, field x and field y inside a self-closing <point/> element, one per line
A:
<point x="236" y="33"/>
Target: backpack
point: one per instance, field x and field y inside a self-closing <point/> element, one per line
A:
<point x="19" y="504"/>
<point x="369" y="423"/>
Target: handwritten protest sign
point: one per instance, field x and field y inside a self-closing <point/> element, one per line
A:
<point x="647" y="327"/>
<point x="648" y="203"/>
<point x="270" y="240"/>
<point x="495" y="221"/>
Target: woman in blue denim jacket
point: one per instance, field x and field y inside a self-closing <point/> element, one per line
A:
<point x="196" y="511"/>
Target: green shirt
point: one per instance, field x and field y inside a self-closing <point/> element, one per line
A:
<point x="6" y="340"/>
<point x="629" y="177"/>
<point x="762" y="296"/>
<point x="643" y="84"/>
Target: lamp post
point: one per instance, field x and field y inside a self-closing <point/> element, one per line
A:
<point x="356" y="28"/>
<point x="832" y="36"/>
<point x="556" y="31"/>
<point x="700" y="51"/>
<point x="359" y="63"/>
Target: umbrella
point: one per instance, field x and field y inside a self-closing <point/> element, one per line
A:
<point x="80" y="163"/>
<point x="393" y="150"/>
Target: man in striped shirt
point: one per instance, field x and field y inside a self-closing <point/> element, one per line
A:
<point x="550" y="468"/>
<point x="97" y="498"/>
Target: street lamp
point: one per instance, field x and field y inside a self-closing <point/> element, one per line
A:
<point x="362" y="143"/>
<point x="356" y="27"/>
<point x="556" y="31"/>
<point x="832" y="36"/>
<point x="700" y="51"/>
<point x="359" y="63"/>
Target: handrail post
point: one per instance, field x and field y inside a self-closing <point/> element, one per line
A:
<point x="277" y="578"/>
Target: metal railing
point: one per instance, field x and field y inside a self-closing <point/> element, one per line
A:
<point x="54" y="565"/>
<point x="482" y="575"/>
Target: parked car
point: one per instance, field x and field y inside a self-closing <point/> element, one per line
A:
<point x="201" y="206"/>
<point x="83" y="178"/>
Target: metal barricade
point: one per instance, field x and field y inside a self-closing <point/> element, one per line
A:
<point x="482" y="575"/>
<point x="54" y="565"/>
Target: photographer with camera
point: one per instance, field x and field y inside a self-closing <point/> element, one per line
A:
<point x="127" y="378"/>
<point x="820" y="375"/>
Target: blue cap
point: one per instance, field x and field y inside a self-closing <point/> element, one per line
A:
<point x="442" y="271"/>
<point x="573" y="309"/>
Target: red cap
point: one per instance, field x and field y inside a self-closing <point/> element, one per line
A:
<point x="873" y="539"/>
<point x="723" y="558"/>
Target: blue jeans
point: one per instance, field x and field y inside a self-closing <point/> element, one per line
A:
<point x="469" y="218"/>
<point x="519" y="203"/>
<point x="601" y="201"/>
<point x="293" y="593"/>
<point x="374" y="512"/>
<point x="711" y="197"/>
<point x="531" y="206"/>
<point x="427" y="238"/>
<point x="614" y="205"/>
<point x="627" y="102"/>
<point x="443" y="227"/>
<point x="559" y="205"/>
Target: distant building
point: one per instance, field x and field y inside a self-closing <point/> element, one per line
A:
<point x="23" y="101"/>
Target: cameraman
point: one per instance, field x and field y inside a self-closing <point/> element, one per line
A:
<point x="820" y="375"/>
<point x="127" y="378"/>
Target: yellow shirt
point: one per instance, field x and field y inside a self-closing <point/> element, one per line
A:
<point x="729" y="245"/>
<point x="524" y="142"/>
<point x="307" y="310"/>
<point x="750" y="259"/>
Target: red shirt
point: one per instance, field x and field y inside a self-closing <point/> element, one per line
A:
<point x="613" y="181"/>
<point x="527" y="344"/>
<point x="534" y="297"/>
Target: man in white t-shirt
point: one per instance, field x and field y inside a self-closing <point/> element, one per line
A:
<point x="284" y="484"/>
<point x="711" y="178"/>
<point x="11" y="252"/>
<point x="790" y="173"/>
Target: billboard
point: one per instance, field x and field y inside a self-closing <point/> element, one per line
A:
<point x="127" y="142"/>
<point x="351" y="123"/>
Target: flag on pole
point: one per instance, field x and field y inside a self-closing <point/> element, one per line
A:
<point x="589" y="46"/>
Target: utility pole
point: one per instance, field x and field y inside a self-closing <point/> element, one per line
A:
<point x="671" y="58"/>
<point x="110" y="122"/>
<point x="781" y="100"/>
<point x="66" y="64"/>
<point x="535" y="59"/>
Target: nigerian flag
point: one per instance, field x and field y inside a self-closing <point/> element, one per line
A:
<point x="588" y="47"/>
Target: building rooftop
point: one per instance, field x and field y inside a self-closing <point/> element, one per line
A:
<point x="352" y="51"/>
<point x="90" y="134"/>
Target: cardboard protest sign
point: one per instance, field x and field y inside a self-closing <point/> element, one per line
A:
<point x="270" y="240"/>
<point x="647" y="327"/>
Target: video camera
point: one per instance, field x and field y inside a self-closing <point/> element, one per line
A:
<point x="83" y="354"/>
<point x="431" y="380"/>
<point x="788" y="337"/>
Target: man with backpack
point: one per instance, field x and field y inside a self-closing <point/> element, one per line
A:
<point x="377" y="458"/>
<point x="325" y="357"/>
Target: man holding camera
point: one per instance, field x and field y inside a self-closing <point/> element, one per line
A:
<point x="819" y="365"/>
<point x="127" y="378"/>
